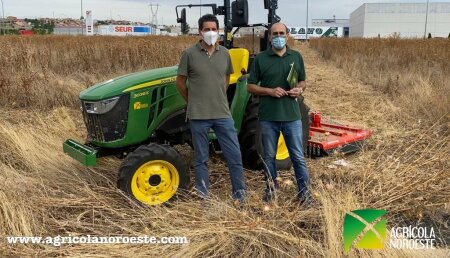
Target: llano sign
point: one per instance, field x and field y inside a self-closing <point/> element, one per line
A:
<point x="315" y="32"/>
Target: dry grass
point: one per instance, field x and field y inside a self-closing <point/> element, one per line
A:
<point x="50" y="71"/>
<point x="44" y="192"/>
<point x="413" y="73"/>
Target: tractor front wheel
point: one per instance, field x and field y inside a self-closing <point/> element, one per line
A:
<point x="152" y="174"/>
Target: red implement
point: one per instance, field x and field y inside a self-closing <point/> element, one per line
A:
<point x="325" y="138"/>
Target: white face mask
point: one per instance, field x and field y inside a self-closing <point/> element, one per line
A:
<point x="210" y="37"/>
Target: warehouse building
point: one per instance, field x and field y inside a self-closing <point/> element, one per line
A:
<point x="71" y="30"/>
<point x="125" y="30"/>
<point x="407" y="20"/>
<point x="333" y="22"/>
<point x="340" y="23"/>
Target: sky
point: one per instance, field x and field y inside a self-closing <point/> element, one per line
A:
<point x="292" y="12"/>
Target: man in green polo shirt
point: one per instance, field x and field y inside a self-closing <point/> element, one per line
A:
<point x="278" y="108"/>
<point x="207" y="66"/>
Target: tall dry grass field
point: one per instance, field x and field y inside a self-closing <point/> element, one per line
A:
<point x="414" y="73"/>
<point x="43" y="192"/>
<point x="50" y="71"/>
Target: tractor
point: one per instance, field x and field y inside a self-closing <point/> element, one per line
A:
<point x="140" y="117"/>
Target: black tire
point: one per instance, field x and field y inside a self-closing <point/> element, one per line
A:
<point x="284" y="164"/>
<point x="170" y="162"/>
<point x="250" y="136"/>
<point x="250" y="140"/>
<point x="306" y="121"/>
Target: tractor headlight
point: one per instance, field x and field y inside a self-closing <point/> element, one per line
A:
<point x="100" y="107"/>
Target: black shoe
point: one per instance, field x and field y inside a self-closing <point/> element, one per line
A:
<point x="307" y="203"/>
<point x="269" y="195"/>
<point x="239" y="204"/>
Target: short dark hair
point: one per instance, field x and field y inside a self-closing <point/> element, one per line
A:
<point x="270" y="28"/>
<point x="207" y="18"/>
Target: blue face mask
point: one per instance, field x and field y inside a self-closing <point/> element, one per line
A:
<point x="279" y="42"/>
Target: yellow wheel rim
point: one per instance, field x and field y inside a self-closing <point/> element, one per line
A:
<point x="282" y="151"/>
<point x="155" y="182"/>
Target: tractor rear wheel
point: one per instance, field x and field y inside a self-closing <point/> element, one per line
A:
<point x="306" y="122"/>
<point x="250" y="137"/>
<point x="153" y="173"/>
<point x="251" y="143"/>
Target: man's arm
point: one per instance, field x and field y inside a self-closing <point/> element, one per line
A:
<point x="302" y="85"/>
<point x="258" y="90"/>
<point x="182" y="75"/>
<point x="230" y="71"/>
<point x="297" y="91"/>
<point x="227" y="81"/>
<point x="181" y="86"/>
<point x="277" y="92"/>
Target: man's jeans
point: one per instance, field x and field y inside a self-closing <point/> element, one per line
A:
<point x="227" y="136"/>
<point x="293" y="136"/>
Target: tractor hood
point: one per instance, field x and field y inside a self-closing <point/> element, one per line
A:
<point x="129" y="82"/>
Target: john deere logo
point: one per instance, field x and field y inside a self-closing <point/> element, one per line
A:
<point x="139" y="105"/>
<point x="365" y="228"/>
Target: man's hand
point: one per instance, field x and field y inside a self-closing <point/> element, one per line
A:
<point x="277" y="92"/>
<point x="295" y="92"/>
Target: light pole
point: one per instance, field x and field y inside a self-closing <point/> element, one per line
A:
<point x="81" y="18"/>
<point x="3" y="18"/>
<point x="306" y="32"/>
<point x="426" y="21"/>
<point x="149" y="16"/>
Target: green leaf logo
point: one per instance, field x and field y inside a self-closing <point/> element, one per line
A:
<point x="367" y="224"/>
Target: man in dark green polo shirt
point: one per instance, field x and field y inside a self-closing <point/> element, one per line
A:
<point x="207" y="66"/>
<point x="278" y="108"/>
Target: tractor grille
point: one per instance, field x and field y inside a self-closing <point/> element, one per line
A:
<point x="157" y="103"/>
<point x="110" y="126"/>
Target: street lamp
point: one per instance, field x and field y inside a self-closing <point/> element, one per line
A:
<point x="81" y="18"/>
<point x="307" y="4"/>
<point x="426" y="21"/>
<point x="3" y="18"/>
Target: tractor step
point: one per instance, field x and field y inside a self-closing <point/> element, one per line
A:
<point x="83" y="153"/>
<point x="326" y="138"/>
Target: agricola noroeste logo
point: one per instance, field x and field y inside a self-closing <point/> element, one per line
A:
<point x="365" y="227"/>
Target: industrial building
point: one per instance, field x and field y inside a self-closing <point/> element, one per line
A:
<point x="321" y="28"/>
<point x="125" y="30"/>
<point x="331" y="22"/>
<point x="344" y="24"/>
<point x="407" y="20"/>
<point x="110" y="30"/>
<point x="70" y="30"/>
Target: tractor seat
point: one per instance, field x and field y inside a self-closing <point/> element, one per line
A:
<point x="239" y="59"/>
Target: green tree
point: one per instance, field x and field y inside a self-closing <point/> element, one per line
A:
<point x="41" y="27"/>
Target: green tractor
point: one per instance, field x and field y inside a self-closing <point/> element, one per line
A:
<point x="141" y="116"/>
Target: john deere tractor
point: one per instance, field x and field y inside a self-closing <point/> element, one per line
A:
<point x="141" y="116"/>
